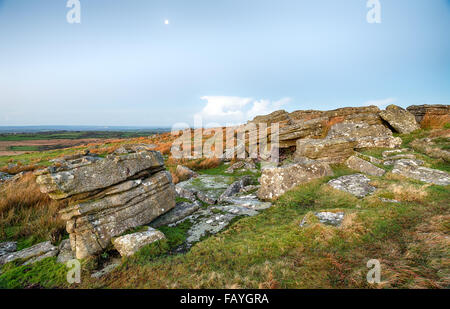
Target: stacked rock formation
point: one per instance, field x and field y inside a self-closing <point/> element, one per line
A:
<point x="431" y="116"/>
<point x="108" y="196"/>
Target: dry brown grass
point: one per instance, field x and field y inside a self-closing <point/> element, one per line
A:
<point x="409" y="192"/>
<point x="25" y="211"/>
<point x="18" y="168"/>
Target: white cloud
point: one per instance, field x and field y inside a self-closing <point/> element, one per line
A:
<point x="264" y="107"/>
<point x="234" y="110"/>
<point x="380" y="103"/>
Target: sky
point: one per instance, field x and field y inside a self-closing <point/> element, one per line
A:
<point x="161" y="62"/>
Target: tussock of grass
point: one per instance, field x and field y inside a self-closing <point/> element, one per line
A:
<point x="27" y="214"/>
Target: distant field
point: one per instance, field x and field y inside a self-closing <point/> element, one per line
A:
<point x="19" y="143"/>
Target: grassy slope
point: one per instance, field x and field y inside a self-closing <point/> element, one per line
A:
<point x="271" y="251"/>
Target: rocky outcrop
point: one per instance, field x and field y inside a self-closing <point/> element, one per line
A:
<point x="5" y="177"/>
<point x="431" y="116"/>
<point x="31" y="255"/>
<point x="278" y="180"/>
<point x="65" y="252"/>
<point x="364" y="166"/>
<point x="325" y="150"/>
<point x="357" y="185"/>
<point x="129" y="244"/>
<point x="410" y="169"/>
<point x="401" y="120"/>
<point x="109" y="196"/>
<point x="365" y="135"/>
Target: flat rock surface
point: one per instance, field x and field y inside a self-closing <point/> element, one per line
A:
<point x="410" y="169"/>
<point x="357" y="184"/>
<point x="32" y="252"/>
<point x="181" y="211"/>
<point x="364" y="166"/>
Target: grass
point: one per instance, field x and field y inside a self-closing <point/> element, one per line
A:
<point x="409" y="238"/>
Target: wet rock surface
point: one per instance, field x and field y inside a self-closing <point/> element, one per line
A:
<point x="357" y="185"/>
<point x="410" y="169"/>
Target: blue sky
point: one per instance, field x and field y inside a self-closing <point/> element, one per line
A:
<point x="226" y="60"/>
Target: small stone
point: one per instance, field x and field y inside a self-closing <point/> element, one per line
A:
<point x="181" y="211"/>
<point x="411" y="169"/>
<point x="7" y="247"/>
<point x="130" y="244"/>
<point x="45" y="248"/>
<point x="65" y="252"/>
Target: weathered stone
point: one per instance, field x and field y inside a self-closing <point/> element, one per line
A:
<point x="401" y="120"/>
<point x="65" y="252"/>
<point x="325" y="150"/>
<point x="238" y="151"/>
<point x="109" y="196"/>
<point x="426" y="146"/>
<point x="364" y="166"/>
<point x="276" y="181"/>
<point x="29" y="253"/>
<point x="389" y="153"/>
<point x="356" y="184"/>
<point x="87" y="176"/>
<point x="7" y="247"/>
<point x="129" y="244"/>
<point x="185" y="172"/>
<point x="246" y="164"/>
<point x="236" y="187"/>
<point x="181" y="211"/>
<point x="5" y="176"/>
<point x="410" y="169"/>
<point x="365" y="135"/>
<point x="387" y="200"/>
<point x="289" y="135"/>
<point x="369" y="158"/>
<point x="106" y="270"/>
<point x="41" y="257"/>
<point x="431" y="116"/>
<point x="327" y="218"/>
<point x="205" y="198"/>
<point x="275" y="117"/>
<point x="94" y="222"/>
<point x="185" y="193"/>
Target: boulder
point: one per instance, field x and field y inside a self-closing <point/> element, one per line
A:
<point x="278" y="180"/>
<point x="185" y="172"/>
<point x="42" y="250"/>
<point x="236" y="187"/>
<point x="364" y="166"/>
<point x="426" y="146"/>
<point x="365" y="135"/>
<point x="431" y="116"/>
<point x="87" y="175"/>
<point x="109" y="196"/>
<point x="410" y="169"/>
<point x="129" y="244"/>
<point x="401" y="120"/>
<point x="205" y="198"/>
<point x="357" y="185"/>
<point x="5" y="176"/>
<point x="325" y="150"/>
<point x="181" y="211"/>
